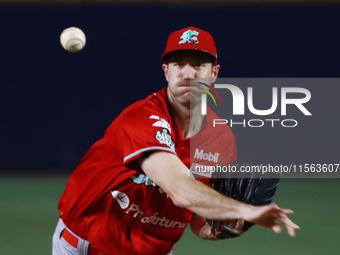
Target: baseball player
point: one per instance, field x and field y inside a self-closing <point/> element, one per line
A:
<point x="133" y="193"/>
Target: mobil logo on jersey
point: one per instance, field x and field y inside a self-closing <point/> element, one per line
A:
<point x="268" y="101"/>
<point x="209" y="156"/>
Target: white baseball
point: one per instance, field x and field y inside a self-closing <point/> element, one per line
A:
<point x="73" y="39"/>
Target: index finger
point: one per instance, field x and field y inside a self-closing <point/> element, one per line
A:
<point x="291" y="226"/>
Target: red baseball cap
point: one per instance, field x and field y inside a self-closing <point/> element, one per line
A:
<point x="191" y="38"/>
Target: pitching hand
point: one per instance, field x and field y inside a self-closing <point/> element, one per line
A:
<point x="265" y="216"/>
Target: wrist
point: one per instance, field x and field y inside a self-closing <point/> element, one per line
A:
<point x="201" y="228"/>
<point x="246" y="211"/>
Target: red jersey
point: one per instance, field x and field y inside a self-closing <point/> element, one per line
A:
<point x="110" y="201"/>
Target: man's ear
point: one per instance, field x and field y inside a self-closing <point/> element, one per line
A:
<point x="165" y="69"/>
<point x="215" y="70"/>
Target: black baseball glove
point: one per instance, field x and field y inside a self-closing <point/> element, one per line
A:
<point x="250" y="188"/>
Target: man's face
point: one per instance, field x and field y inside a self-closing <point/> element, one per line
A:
<point x="186" y="66"/>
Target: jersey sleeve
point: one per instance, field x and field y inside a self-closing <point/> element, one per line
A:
<point x="143" y="130"/>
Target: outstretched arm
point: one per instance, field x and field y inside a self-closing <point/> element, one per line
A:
<point x="168" y="172"/>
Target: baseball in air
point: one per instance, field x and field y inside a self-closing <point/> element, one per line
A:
<point x="73" y="39"/>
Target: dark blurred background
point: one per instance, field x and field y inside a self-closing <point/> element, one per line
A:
<point x="56" y="104"/>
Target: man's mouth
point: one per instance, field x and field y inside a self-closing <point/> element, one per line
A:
<point x="189" y="85"/>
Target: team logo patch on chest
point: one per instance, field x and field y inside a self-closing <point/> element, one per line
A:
<point x="165" y="138"/>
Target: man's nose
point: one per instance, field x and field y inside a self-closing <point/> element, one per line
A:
<point x="188" y="72"/>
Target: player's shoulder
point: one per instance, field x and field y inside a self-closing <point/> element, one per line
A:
<point x="155" y="106"/>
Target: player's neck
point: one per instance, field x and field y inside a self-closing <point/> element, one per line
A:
<point x="189" y="119"/>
